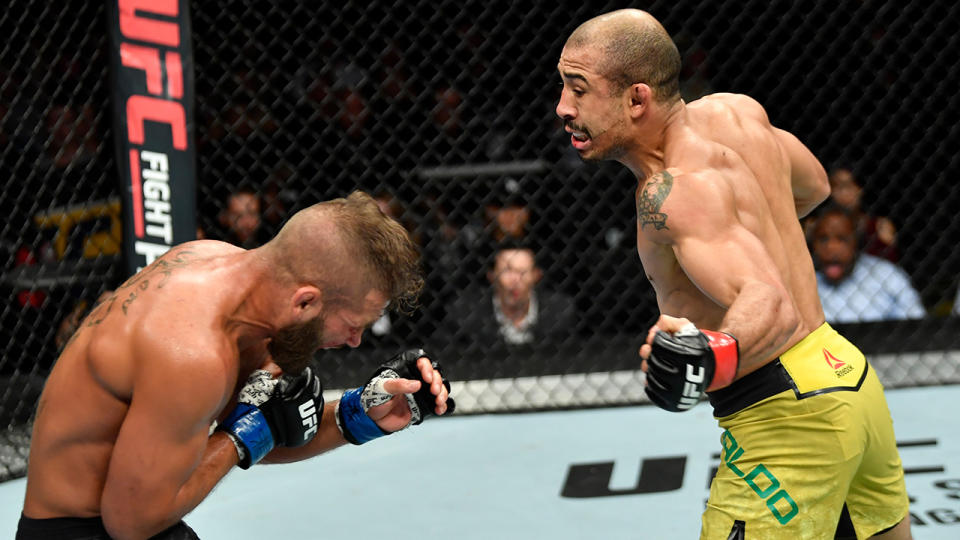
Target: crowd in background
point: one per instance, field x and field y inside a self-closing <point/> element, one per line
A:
<point x="539" y="255"/>
<point x="487" y="285"/>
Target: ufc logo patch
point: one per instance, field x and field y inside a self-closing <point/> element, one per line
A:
<point x="308" y="412"/>
<point x="692" y="388"/>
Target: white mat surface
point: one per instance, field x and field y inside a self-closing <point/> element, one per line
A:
<point x="500" y="477"/>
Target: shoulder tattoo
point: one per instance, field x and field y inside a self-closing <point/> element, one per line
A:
<point x="158" y="273"/>
<point x="650" y="198"/>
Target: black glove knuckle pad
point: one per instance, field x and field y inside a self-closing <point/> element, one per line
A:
<point x="670" y="359"/>
<point x="294" y="414"/>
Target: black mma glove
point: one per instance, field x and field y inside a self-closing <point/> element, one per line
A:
<point x="683" y="366"/>
<point x="274" y="412"/>
<point x="351" y="413"/>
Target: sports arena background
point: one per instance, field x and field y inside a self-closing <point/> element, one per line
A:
<point x="449" y="108"/>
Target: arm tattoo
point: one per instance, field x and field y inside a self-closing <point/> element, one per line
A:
<point x="650" y="198"/>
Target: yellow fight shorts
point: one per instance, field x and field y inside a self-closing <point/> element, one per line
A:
<point x="804" y="435"/>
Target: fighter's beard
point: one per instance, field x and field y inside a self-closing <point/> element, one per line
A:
<point x="293" y="347"/>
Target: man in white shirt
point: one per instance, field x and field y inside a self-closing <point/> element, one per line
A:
<point x="855" y="286"/>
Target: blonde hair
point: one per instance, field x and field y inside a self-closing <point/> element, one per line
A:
<point x="347" y="247"/>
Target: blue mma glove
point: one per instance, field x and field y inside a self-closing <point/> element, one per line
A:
<point x="351" y="413"/>
<point x="274" y="412"/>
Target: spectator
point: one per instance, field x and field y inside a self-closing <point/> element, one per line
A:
<point x="879" y="233"/>
<point x="856" y="286"/>
<point x="513" y="310"/>
<point x="242" y="219"/>
<point x="73" y="137"/>
<point x="278" y="197"/>
<point x="73" y="147"/>
<point x="353" y="114"/>
<point x="508" y="221"/>
<point x="453" y="133"/>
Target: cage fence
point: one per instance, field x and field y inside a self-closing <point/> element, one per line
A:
<point x="444" y="111"/>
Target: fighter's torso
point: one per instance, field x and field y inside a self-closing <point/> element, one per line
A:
<point x="741" y="150"/>
<point x="88" y="392"/>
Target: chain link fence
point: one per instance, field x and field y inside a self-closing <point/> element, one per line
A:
<point x="445" y="111"/>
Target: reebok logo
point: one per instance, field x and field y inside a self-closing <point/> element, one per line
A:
<point x="838" y="366"/>
<point x="833" y="361"/>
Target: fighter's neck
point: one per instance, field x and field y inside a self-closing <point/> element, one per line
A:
<point x="258" y="309"/>
<point x="649" y="154"/>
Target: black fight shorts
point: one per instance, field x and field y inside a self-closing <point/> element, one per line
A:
<point x="69" y="528"/>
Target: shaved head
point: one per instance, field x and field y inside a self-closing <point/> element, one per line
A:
<point x="634" y="48"/>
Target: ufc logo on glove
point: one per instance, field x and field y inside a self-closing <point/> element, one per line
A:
<point x="308" y="412"/>
<point x="693" y="388"/>
<point x="682" y="366"/>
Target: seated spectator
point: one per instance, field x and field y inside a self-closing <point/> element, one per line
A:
<point x="242" y="219"/>
<point x="856" y="286"/>
<point x="513" y="310"/>
<point x="878" y="232"/>
<point x="508" y="217"/>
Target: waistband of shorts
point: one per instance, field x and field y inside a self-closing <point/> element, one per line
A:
<point x="62" y="525"/>
<point x="769" y="380"/>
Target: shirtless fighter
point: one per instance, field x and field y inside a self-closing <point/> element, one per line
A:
<point x="122" y="445"/>
<point x="807" y="432"/>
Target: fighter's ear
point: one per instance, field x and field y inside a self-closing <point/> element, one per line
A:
<point x="307" y="302"/>
<point x="640" y="96"/>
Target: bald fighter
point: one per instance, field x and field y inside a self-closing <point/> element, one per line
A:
<point x="807" y="433"/>
<point x="214" y="335"/>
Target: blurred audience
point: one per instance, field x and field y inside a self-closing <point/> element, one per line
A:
<point x="878" y="232"/>
<point x="513" y="309"/>
<point x="278" y="198"/>
<point x="393" y="207"/>
<point x="453" y="132"/>
<point x="73" y="138"/>
<point x="447" y="113"/>
<point x="855" y="286"/>
<point x="242" y="219"/>
<point x="508" y="220"/>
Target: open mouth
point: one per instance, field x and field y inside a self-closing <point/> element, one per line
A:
<point x="579" y="139"/>
<point x="833" y="271"/>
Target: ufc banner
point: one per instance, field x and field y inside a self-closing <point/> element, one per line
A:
<point x="151" y="66"/>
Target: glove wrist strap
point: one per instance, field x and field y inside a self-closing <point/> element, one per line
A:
<point x="249" y="427"/>
<point x="726" y="354"/>
<point x="353" y="421"/>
